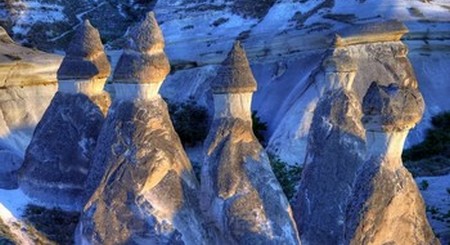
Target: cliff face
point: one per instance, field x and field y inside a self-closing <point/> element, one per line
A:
<point x="240" y="193"/>
<point x="28" y="83"/>
<point x="385" y="194"/>
<point x="145" y="189"/>
<point x="57" y="161"/>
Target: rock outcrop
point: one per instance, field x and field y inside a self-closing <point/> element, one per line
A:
<point x="57" y="161"/>
<point x="386" y="205"/>
<point x="27" y="85"/>
<point x="148" y="192"/>
<point x="240" y="193"/>
<point x="335" y="152"/>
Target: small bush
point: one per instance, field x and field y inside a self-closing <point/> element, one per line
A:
<point x="423" y="186"/>
<point x="259" y="127"/>
<point x="190" y="121"/>
<point x="57" y="225"/>
<point x="288" y="175"/>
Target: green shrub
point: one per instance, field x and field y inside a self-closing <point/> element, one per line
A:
<point x="424" y="185"/>
<point x="57" y="225"/>
<point x="288" y="175"/>
<point x="436" y="142"/>
<point x="190" y="121"/>
<point x="259" y="127"/>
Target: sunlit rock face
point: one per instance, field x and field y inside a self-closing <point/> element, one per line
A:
<point x="386" y="205"/>
<point x="27" y="84"/>
<point x="148" y="192"/>
<point x="240" y="194"/>
<point x="57" y="161"/>
<point x="334" y="153"/>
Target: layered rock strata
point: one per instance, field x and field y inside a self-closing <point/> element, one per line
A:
<point x="386" y="205"/>
<point x="148" y="192"/>
<point x="335" y="152"/>
<point x="240" y="194"/>
<point x="58" y="159"/>
<point x="27" y="85"/>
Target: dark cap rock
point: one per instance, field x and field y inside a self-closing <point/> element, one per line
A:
<point x="85" y="57"/>
<point x="370" y="32"/>
<point x="392" y="108"/>
<point x="235" y="75"/>
<point x="144" y="61"/>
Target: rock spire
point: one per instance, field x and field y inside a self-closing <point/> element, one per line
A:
<point x="386" y="205"/>
<point x="334" y="153"/>
<point x="58" y="159"/>
<point x="240" y="194"/>
<point x="144" y="189"/>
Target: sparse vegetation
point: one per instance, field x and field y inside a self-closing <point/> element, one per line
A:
<point x="190" y="121"/>
<point x="432" y="156"/>
<point x="259" y="127"/>
<point x="57" y="225"/>
<point x="423" y="186"/>
<point x="288" y="175"/>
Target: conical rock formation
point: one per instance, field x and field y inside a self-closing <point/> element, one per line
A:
<point x="146" y="191"/>
<point x="386" y="205"/>
<point x="335" y="152"/>
<point x="240" y="193"/>
<point x="57" y="161"/>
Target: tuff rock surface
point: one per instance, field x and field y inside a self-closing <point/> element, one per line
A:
<point x="27" y="84"/>
<point x="335" y="151"/>
<point x="386" y="206"/>
<point x="58" y="159"/>
<point x="240" y="194"/>
<point x="146" y="191"/>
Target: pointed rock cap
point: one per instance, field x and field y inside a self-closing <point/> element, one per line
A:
<point x="85" y="57"/>
<point x="235" y="75"/>
<point x="4" y="37"/>
<point x="147" y="36"/>
<point x="340" y="63"/>
<point x="392" y="108"/>
<point x="144" y="61"/>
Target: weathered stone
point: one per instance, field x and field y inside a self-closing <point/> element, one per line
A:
<point x="335" y="152"/>
<point x="235" y="74"/>
<point x="58" y="159"/>
<point x="240" y="194"/>
<point x="144" y="61"/>
<point x="148" y="193"/>
<point x="85" y="58"/>
<point x="27" y="85"/>
<point x="370" y="33"/>
<point x="144" y="189"/>
<point x="386" y="206"/>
